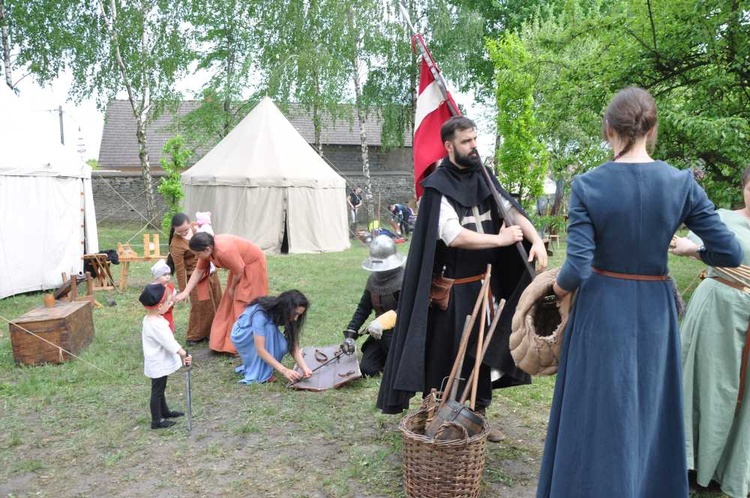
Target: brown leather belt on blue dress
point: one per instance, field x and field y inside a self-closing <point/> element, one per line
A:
<point x="629" y="276"/>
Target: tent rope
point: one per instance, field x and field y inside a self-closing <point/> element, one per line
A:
<point x="148" y="222"/>
<point x="61" y="350"/>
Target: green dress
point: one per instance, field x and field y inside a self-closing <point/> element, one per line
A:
<point x="713" y="335"/>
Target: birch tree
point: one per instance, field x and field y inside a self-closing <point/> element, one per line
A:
<point x="227" y="47"/>
<point x="141" y="47"/>
<point x="35" y="39"/>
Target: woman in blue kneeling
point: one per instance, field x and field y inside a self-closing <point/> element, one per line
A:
<point x="257" y="334"/>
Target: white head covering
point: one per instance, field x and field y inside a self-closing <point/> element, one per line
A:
<point x="160" y="269"/>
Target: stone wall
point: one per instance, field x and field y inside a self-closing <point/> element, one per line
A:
<point x="347" y="158"/>
<point x="120" y="196"/>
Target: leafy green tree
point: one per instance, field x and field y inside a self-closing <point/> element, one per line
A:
<point x="300" y="58"/>
<point x="227" y="41"/>
<point x="140" y="47"/>
<point x="521" y="157"/>
<point x="170" y="187"/>
<point x="693" y="57"/>
<point x="36" y="39"/>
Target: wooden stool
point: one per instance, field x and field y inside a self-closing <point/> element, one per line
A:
<point x="556" y="238"/>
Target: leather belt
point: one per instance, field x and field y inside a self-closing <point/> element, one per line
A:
<point x="466" y="280"/>
<point x="630" y="276"/>
<point x="746" y="348"/>
<point x="733" y="284"/>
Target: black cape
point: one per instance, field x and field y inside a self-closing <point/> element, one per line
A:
<point x="404" y="372"/>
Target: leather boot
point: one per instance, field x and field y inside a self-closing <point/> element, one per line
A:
<point x="495" y="435"/>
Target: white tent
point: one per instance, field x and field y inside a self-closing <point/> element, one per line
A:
<point x="263" y="181"/>
<point x="48" y="220"/>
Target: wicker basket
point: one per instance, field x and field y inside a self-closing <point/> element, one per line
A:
<point x="441" y="469"/>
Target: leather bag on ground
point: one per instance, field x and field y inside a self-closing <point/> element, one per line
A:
<point x="338" y="372"/>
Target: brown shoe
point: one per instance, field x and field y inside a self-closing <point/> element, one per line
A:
<point x="495" y="435"/>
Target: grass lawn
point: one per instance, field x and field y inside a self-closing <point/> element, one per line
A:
<point x="77" y="430"/>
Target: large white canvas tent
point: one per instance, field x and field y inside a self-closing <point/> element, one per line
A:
<point x="263" y="182"/>
<point x="48" y="220"/>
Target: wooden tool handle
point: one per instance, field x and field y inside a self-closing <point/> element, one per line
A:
<point x="465" y="338"/>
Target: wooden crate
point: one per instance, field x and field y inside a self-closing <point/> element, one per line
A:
<point x="67" y="325"/>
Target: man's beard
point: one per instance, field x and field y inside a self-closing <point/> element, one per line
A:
<point x="471" y="160"/>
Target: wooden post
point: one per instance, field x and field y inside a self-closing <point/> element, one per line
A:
<point x="73" y="288"/>
<point x="89" y="284"/>
<point x="157" y="249"/>
<point x="124" y="267"/>
<point x="146" y="245"/>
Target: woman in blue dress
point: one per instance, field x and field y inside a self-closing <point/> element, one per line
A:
<point x="262" y="344"/>
<point x="616" y="427"/>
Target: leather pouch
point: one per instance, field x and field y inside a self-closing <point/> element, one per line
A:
<point x="440" y="291"/>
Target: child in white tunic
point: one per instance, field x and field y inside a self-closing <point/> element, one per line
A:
<point x="161" y="352"/>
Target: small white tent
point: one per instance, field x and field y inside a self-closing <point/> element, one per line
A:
<point x="263" y="182"/>
<point x="48" y="220"/>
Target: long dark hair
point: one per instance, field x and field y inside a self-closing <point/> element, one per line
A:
<point x="177" y="220"/>
<point x="631" y="115"/>
<point x="280" y="309"/>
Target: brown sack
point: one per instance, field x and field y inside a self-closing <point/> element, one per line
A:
<point x="538" y="326"/>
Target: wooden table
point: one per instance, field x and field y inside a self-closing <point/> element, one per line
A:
<point x="127" y="255"/>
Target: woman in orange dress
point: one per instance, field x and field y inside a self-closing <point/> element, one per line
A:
<point x="247" y="280"/>
<point x="202" y="311"/>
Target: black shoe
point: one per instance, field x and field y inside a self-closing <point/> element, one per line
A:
<point x="192" y="343"/>
<point x="163" y="424"/>
<point x="174" y="414"/>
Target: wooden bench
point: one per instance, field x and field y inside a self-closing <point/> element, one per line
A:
<point x="151" y="252"/>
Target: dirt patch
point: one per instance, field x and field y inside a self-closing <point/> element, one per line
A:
<point x="247" y="441"/>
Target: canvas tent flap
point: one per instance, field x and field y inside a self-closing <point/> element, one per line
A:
<point x="258" y="213"/>
<point x="40" y="235"/>
<point x="264" y="180"/>
<point x="308" y="210"/>
<point x="47" y="206"/>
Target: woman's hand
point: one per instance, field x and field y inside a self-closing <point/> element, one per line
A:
<point x="559" y="291"/>
<point x="180" y="297"/>
<point x="306" y="372"/>
<point x="187" y="360"/>
<point x="539" y="252"/>
<point x="290" y="374"/>
<point x="682" y="246"/>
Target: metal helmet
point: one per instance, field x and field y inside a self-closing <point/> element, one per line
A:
<point x="383" y="255"/>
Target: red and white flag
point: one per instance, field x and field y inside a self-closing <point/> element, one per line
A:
<point x="433" y="109"/>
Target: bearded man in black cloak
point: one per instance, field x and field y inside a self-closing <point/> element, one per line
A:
<point x="458" y="232"/>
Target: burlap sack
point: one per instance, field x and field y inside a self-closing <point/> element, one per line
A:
<point x="538" y="326"/>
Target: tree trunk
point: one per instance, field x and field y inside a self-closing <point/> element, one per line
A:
<point x="140" y="109"/>
<point x="5" y="42"/>
<point x="228" y="91"/>
<point x="145" y="167"/>
<point x="317" y="122"/>
<point x="365" y="153"/>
